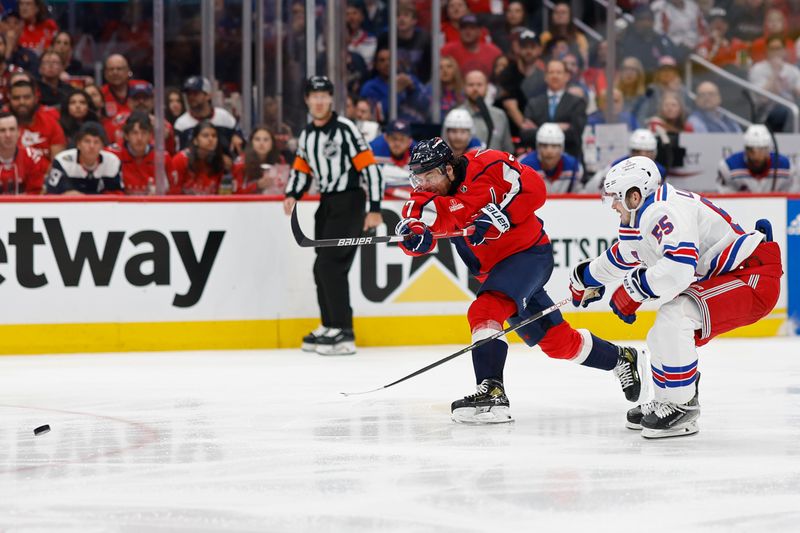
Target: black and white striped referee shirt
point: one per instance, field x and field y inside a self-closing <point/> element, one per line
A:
<point x="339" y="158"/>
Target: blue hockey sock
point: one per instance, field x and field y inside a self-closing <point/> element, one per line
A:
<point x="488" y="360"/>
<point x="603" y="355"/>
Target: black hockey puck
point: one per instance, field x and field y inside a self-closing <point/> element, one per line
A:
<point x="41" y="430"/>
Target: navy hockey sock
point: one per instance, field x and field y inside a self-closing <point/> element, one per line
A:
<point x="488" y="360"/>
<point x="603" y="355"/>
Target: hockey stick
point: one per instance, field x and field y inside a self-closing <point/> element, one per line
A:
<point x="304" y="241"/>
<point x="472" y="346"/>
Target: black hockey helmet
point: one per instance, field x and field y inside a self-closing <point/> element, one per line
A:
<point x="430" y="154"/>
<point x="318" y="83"/>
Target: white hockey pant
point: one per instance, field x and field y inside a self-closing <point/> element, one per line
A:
<point x="672" y="350"/>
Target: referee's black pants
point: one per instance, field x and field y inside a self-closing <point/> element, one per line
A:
<point x="339" y="215"/>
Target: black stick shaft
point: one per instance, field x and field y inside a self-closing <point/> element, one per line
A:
<point x="474" y="345"/>
<point x="305" y="242"/>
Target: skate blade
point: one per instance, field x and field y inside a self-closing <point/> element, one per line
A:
<point x="343" y="348"/>
<point x="683" y="431"/>
<point x="647" y="391"/>
<point x="481" y="416"/>
<point x="308" y="347"/>
<point x="631" y="425"/>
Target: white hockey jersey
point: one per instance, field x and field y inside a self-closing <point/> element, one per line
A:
<point x="733" y="175"/>
<point x="680" y="237"/>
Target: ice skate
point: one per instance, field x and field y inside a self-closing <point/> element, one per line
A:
<point x="489" y="405"/>
<point x="337" y="342"/>
<point x="632" y="364"/>
<point x="310" y="340"/>
<point x="669" y="419"/>
<point x="635" y="415"/>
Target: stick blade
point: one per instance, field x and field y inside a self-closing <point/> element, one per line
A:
<point x="297" y="232"/>
<point x="346" y="394"/>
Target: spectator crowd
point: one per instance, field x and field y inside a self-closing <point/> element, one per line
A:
<point x="508" y="80"/>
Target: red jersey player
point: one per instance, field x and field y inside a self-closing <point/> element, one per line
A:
<point x="511" y="255"/>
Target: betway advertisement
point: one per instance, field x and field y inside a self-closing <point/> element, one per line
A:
<point x="233" y="267"/>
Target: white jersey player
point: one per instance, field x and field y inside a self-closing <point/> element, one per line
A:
<point x="757" y="169"/>
<point x="711" y="276"/>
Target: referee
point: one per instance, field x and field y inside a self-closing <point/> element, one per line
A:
<point x="332" y="150"/>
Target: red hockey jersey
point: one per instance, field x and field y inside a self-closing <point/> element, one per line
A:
<point x="25" y="173"/>
<point x="492" y="177"/>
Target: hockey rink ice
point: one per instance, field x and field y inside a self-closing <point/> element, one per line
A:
<point x="262" y="441"/>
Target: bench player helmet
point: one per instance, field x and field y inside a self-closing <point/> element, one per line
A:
<point x="459" y="119"/>
<point x="429" y="155"/>
<point x="318" y="83"/>
<point x="550" y="133"/>
<point x="757" y="136"/>
<point x="642" y="140"/>
<point x="635" y="172"/>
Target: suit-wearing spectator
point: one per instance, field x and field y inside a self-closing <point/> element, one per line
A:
<point x="469" y="51"/>
<point x="490" y="123"/>
<point x="707" y="118"/>
<point x="39" y="128"/>
<point x="557" y="106"/>
<point x="22" y="170"/>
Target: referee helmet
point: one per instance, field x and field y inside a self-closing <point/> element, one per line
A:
<point x="318" y="83"/>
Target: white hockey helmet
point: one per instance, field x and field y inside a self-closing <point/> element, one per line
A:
<point x="643" y="140"/>
<point x="757" y="136"/>
<point x="637" y="171"/>
<point x="550" y="133"/>
<point x="459" y="119"/>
